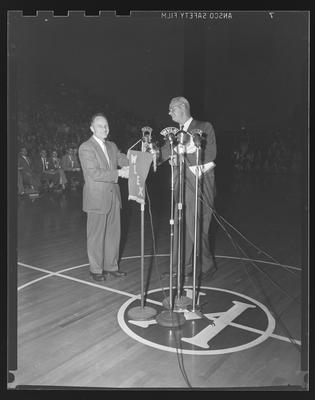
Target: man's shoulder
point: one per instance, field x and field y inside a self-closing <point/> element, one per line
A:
<point x="111" y="143"/>
<point x="197" y="122"/>
<point x="87" y="143"/>
<point x="203" y="125"/>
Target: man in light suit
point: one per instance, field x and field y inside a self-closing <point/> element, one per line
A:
<point x="179" y="110"/>
<point x="100" y="159"/>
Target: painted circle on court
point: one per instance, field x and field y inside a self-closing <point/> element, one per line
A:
<point x="240" y="322"/>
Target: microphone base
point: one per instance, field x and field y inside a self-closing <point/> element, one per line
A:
<point x="141" y="313"/>
<point x="196" y="310"/>
<point x="180" y="303"/>
<point x="170" y="319"/>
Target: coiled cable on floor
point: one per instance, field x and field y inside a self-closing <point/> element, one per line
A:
<point x="178" y="346"/>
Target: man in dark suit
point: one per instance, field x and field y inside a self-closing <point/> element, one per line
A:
<point x="28" y="175"/>
<point x="45" y="171"/>
<point x="100" y="159"/>
<point x="179" y="110"/>
<point x="70" y="164"/>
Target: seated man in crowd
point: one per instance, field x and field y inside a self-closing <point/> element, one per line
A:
<point x="71" y="165"/>
<point x="21" y="190"/>
<point x="77" y="165"/>
<point x="55" y="165"/>
<point x="30" y="180"/>
<point x="47" y="176"/>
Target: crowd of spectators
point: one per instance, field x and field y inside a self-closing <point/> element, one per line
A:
<point x="274" y="153"/>
<point x="265" y="158"/>
<point x="56" y="126"/>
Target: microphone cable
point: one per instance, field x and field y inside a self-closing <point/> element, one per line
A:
<point x="178" y="347"/>
<point x="237" y="248"/>
<point x="218" y="217"/>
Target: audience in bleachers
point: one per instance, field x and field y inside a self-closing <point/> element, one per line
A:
<point x="56" y="125"/>
<point x="276" y="155"/>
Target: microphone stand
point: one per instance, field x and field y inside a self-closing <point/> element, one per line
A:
<point x="142" y="312"/>
<point x="169" y="318"/>
<point x="194" y="307"/>
<point x="181" y="301"/>
<point x="138" y="141"/>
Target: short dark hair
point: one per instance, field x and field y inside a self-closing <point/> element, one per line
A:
<point x="94" y="116"/>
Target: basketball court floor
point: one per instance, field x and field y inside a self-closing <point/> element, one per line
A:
<point x="77" y="333"/>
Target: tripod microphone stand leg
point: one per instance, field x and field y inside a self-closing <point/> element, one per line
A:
<point x="167" y="317"/>
<point x="142" y="312"/>
<point x="180" y="302"/>
<point x="195" y="308"/>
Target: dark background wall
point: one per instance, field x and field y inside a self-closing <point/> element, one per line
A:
<point x="248" y="70"/>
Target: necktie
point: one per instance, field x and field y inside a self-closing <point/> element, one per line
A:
<point x="105" y="152"/>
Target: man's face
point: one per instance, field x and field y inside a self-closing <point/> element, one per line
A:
<point x="176" y="111"/>
<point x="43" y="153"/>
<point x="54" y="154"/>
<point x="100" y="128"/>
<point x="24" y="151"/>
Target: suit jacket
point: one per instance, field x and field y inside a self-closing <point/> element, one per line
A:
<point x="76" y="161"/>
<point x="54" y="163"/>
<point x="24" y="165"/>
<point x="38" y="164"/>
<point x="208" y="149"/>
<point x="207" y="153"/>
<point x="67" y="162"/>
<point x="100" y="179"/>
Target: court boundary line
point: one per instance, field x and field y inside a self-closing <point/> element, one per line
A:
<point x="49" y="273"/>
<point x="133" y="296"/>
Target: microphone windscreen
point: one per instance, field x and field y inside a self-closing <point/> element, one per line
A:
<point x="169" y="130"/>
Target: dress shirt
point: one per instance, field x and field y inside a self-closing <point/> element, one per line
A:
<point x="26" y="159"/>
<point x="44" y="162"/>
<point x="191" y="148"/>
<point x="103" y="147"/>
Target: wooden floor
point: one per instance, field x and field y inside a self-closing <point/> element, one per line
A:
<point x="75" y="332"/>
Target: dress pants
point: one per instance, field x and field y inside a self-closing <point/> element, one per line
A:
<point x="205" y="260"/>
<point x="103" y="239"/>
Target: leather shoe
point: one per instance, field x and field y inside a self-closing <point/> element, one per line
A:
<point x="97" y="277"/>
<point x="115" y="274"/>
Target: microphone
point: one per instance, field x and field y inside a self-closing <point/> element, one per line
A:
<point x="145" y="140"/>
<point x="146" y="137"/>
<point x="148" y="145"/>
<point x="197" y="135"/>
<point x="182" y="137"/>
<point x="169" y="133"/>
<point x="146" y="131"/>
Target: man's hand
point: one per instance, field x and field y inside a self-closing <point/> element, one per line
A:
<point x="124" y="172"/>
